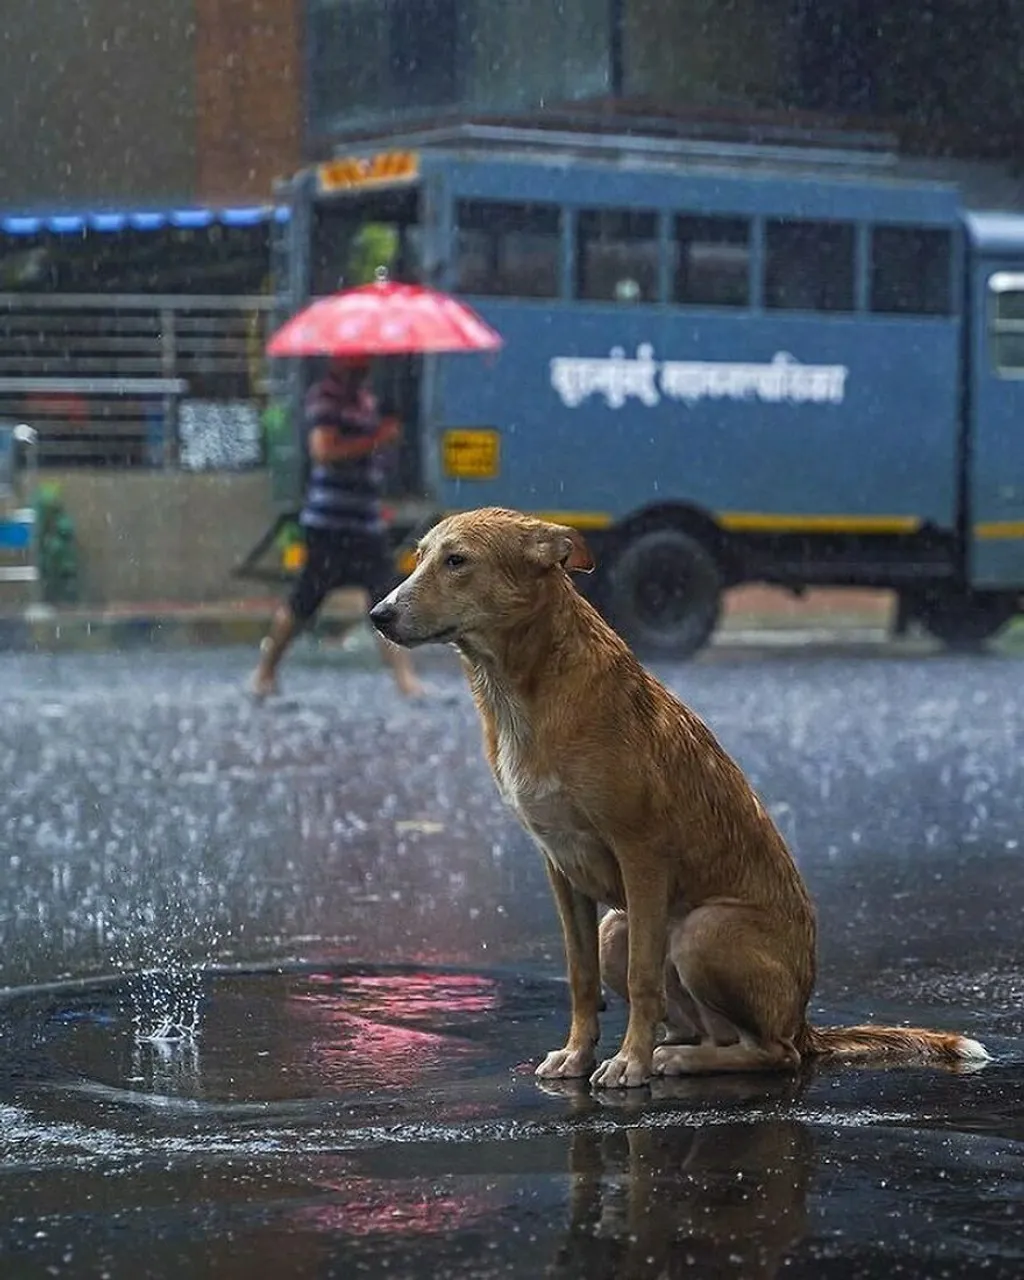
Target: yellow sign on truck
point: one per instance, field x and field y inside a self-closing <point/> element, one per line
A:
<point x="348" y="173"/>
<point x="471" y="454"/>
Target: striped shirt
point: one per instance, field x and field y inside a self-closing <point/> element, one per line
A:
<point x="343" y="496"/>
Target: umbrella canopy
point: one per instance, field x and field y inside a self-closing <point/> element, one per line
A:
<point x="384" y="318"/>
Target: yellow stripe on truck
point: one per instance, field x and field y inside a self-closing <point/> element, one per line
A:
<point x="767" y="522"/>
<point x="578" y="519"/>
<point x="994" y="529"/>
<point x="758" y="522"/>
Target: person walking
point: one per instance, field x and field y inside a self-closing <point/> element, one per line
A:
<point x="346" y="540"/>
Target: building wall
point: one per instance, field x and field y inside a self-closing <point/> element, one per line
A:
<point x="381" y="59"/>
<point x="164" y="535"/>
<point x="943" y="76"/>
<point x="566" y="56"/>
<point x="706" y="54"/>
<point x="111" y="102"/>
<point x="96" y="105"/>
<point x="249" y="71"/>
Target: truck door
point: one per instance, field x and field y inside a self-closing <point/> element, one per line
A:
<point x="997" y="452"/>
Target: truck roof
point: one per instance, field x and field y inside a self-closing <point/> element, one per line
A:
<point x="996" y="233"/>
<point x="556" y="141"/>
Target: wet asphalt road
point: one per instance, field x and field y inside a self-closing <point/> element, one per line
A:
<point x="379" y="966"/>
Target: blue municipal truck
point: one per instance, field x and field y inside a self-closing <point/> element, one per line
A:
<point x="724" y="363"/>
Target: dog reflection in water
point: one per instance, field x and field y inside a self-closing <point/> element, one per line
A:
<point x="652" y="1201"/>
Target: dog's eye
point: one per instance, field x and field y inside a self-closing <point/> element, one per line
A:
<point x="454" y="561"/>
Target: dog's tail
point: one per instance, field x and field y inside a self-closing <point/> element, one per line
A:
<point x="906" y="1044"/>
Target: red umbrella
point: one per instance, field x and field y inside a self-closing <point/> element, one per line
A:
<point x="380" y="319"/>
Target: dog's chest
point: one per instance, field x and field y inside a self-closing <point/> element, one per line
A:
<point x="522" y="781"/>
<point x="545" y="807"/>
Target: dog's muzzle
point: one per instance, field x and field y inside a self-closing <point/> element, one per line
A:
<point x="387" y="618"/>
<point x="384" y="617"/>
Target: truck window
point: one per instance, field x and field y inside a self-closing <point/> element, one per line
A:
<point x="355" y="235"/>
<point x="711" y="262"/>
<point x="808" y="265"/>
<point x="617" y="255"/>
<point x="1007" y="323"/>
<point x="508" y="250"/>
<point x="910" y="271"/>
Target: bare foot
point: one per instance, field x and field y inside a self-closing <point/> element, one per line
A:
<point x="261" y="685"/>
<point x="410" y="687"/>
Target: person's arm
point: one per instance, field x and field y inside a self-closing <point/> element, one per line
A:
<point x="327" y="445"/>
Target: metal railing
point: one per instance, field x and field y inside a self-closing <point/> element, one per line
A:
<point x="102" y="376"/>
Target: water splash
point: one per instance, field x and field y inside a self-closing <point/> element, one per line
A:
<point x="162" y="948"/>
<point x="165" y="1005"/>
<point x="165" y="1010"/>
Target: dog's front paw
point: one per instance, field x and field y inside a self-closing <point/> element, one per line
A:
<point x="566" y="1064"/>
<point x="621" y="1072"/>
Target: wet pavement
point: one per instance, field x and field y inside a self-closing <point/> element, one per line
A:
<point x="328" y="890"/>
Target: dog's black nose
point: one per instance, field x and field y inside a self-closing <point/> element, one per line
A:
<point x="383" y="615"/>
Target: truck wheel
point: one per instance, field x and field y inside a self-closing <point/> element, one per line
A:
<point x="663" y="593"/>
<point x="964" y="620"/>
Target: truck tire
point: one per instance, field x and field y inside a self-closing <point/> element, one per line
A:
<point x="963" y="620"/>
<point x="662" y="592"/>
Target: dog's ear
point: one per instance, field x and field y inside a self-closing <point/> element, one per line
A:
<point x="558" y="544"/>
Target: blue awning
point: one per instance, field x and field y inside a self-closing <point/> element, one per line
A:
<point x="140" y="219"/>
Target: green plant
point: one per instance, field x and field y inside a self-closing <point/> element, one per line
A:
<point x="56" y="546"/>
<point x="288" y="535"/>
<point x="276" y="428"/>
<point x="282" y="453"/>
<point x="375" y="245"/>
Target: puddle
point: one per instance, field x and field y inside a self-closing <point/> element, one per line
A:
<point x="337" y="1120"/>
<point x="333" y="1119"/>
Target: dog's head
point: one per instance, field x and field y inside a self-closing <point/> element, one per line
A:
<point x="479" y="572"/>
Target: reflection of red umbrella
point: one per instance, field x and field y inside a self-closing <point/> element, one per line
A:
<point x="380" y="319"/>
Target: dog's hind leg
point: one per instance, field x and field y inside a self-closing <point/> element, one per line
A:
<point x="750" y="1000"/>
<point x="682" y="1019"/>
<point x="685" y="1022"/>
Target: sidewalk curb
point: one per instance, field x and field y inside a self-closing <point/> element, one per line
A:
<point x="99" y="633"/>
<point x="125" y="631"/>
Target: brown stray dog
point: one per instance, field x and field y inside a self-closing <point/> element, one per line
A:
<point x="712" y="933"/>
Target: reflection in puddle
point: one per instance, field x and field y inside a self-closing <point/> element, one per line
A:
<point x="165" y="1068"/>
<point x="272" y="1038"/>
<point x="372" y="1121"/>
<point x="730" y="1200"/>
<point x="724" y="1199"/>
<point x="366" y="1207"/>
<point x="389" y="1030"/>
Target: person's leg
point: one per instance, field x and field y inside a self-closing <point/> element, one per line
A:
<point x="293" y="614"/>
<point x="284" y="626"/>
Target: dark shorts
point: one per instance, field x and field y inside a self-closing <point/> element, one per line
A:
<point x="335" y="560"/>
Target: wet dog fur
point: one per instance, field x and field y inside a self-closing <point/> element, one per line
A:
<point x="711" y="932"/>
